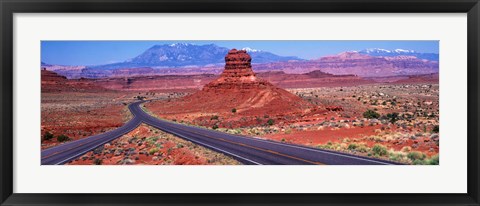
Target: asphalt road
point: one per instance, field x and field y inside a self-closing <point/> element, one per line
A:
<point x="248" y="150"/>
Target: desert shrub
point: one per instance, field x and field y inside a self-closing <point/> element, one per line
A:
<point x="419" y="162"/>
<point x="379" y="150"/>
<point x="97" y="161"/>
<point x="362" y="148"/>
<point x="153" y="151"/>
<point x="62" y="138"/>
<point x="436" y="129"/>
<point x="283" y="139"/>
<point x="396" y="156"/>
<point x="416" y="156"/>
<point x="215" y="126"/>
<point x="352" y="146"/>
<point x="406" y="149"/>
<point x="47" y="136"/>
<point x="270" y="122"/>
<point x="151" y="140"/>
<point x="434" y="160"/>
<point x="234" y="110"/>
<point x="370" y="114"/>
<point x="393" y="117"/>
<point x="376" y="138"/>
<point x="214" y="117"/>
<point x="329" y="145"/>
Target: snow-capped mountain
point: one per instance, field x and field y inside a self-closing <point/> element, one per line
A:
<point x="185" y="55"/>
<point x="248" y="49"/>
<point x="399" y="52"/>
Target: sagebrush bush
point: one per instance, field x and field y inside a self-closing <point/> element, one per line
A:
<point x="47" y="136"/>
<point x="416" y="156"/>
<point x="352" y="146"/>
<point x="270" y="122"/>
<point x="419" y="162"/>
<point x="393" y="117"/>
<point x="97" y="161"/>
<point x="434" y="160"/>
<point x="62" y="138"/>
<point x="370" y="114"/>
<point x="379" y="150"/>
<point x="436" y="129"/>
<point x="152" y="140"/>
<point x="406" y="149"/>
<point x="363" y="148"/>
<point x="398" y="156"/>
<point x="153" y="151"/>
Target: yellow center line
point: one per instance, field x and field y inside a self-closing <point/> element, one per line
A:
<point x="70" y="148"/>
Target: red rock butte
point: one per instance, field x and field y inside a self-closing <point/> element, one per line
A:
<point x="238" y="87"/>
<point x="237" y="75"/>
<point x="238" y="65"/>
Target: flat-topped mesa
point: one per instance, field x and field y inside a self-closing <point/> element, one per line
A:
<point x="238" y="66"/>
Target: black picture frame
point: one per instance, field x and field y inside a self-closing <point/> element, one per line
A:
<point x="10" y="7"/>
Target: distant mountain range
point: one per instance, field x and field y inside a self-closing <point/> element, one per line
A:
<point x="182" y="58"/>
<point x="359" y="64"/>
<point x="189" y="55"/>
<point x="399" y="52"/>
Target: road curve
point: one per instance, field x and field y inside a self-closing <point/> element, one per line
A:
<point x="247" y="150"/>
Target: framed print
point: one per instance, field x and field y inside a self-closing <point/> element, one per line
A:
<point x="251" y="103"/>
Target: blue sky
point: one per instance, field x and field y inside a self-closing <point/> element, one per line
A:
<point x="106" y="52"/>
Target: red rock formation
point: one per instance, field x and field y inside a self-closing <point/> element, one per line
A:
<point x="238" y="65"/>
<point x="238" y="87"/>
<point x="49" y="77"/>
<point x="237" y="75"/>
<point x="52" y="82"/>
<point x="357" y="64"/>
<point x="238" y="90"/>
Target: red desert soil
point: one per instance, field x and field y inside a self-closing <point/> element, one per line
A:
<point x="79" y="108"/>
<point x="148" y="146"/>
<point x="322" y="136"/>
<point x="79" y="120"/>
<point x="368" y="135"/>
